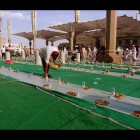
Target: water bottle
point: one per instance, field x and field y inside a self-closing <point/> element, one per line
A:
<point x="83" y="85"/>
<point x="113" y="91"/>
<point x="59" y="80"/>
<point x="50" y="85"/>
<point x="46" y="79"/>
<point x="77" y="92"/>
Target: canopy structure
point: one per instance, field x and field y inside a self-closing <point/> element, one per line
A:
<point x="78" y="27"/>
<point x="27" y="35"/>
<point x="42" y="34"/>
<point x="46" y="34"/>
<point x="126" y="26"/>
<point x="56" y="38"/>
<point x="125" y="32"/>
<point x="92" y="34"/>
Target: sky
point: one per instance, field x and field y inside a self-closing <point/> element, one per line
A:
<point x="21" y="21"/>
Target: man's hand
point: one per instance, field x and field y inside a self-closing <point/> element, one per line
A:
<point x="59" y="65"/>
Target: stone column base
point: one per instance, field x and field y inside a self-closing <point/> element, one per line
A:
<point x="110" y="58"/>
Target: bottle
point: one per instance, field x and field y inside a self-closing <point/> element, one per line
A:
<point x="83" y="85"/>
<point x="46" y="79"/>
<point x="59" y="80"/>
<point x="50" y="85"/>
<point x="77" y="92"/>
<point x="113" y="91"/>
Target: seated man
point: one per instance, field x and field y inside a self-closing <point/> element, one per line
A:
<point x="48" y="54"/>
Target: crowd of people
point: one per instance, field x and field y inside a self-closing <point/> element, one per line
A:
<point x="15" y="52"/>
<point x="129" y="53"/>
<point x="88" y="54"/>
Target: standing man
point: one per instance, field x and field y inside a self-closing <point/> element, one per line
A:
<point x="134" y="53"/>
<point x="3" y="52"/>
<point x="48" y="54"/>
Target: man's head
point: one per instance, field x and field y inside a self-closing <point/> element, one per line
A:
<point x="55" y="54"/>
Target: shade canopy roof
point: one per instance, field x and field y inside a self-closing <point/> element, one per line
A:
<point x="131" y="25"/>
<point x="78" y="27"/>
<point x="42" y="34"/>
<point x="46" y="34"/>
<point x="27" y="35"/>
<point x="126" y="27"/>
<point x="126" y="32"/>
<point x="56" y="38"/>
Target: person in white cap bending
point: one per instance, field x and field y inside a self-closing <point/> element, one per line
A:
<point x="48" y="54"/>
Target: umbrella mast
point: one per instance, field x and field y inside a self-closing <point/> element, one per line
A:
<point x="77" y="15"/>
<point x="0" y="22"/>
<point x="72" y="32"/>
<point x="9" y="31"/>
<point x="34" y="29"/>
<point x="138" y="13"/>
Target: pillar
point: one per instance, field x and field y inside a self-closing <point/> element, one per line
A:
<point x="78" y="57"/>
<point x="30" y="44"/>
<point x="23" y="54"/>
<point x="7" y="55"/>
<point x="63" y="57"/>
<point x="34" y="42"/>
<point x="37" y="58"/>
<point x="77" y="15"/>
<point x="47" y="42"/>
<point x="71" y="41"/>
<point x="111" y="30"/>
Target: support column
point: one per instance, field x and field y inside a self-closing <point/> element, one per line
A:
<point x="111" y="29"/>
<point x="34" y="43"/>
<point x="9" y="32"/>
<point x="77" y="15"/>
<point x="30" y="44"/>
<point x="34" y="29"/>
<point x="47" y="42"/>
<point x="71" y="41"/>
<point x="52" y="43"/>
<point x="37" y="58"/>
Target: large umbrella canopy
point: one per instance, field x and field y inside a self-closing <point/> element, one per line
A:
<point x="56" y="38"/>
<point x="122" y="23"/>
<point x="78" y="27"/>
<point x="126" y="26"/>
<point x="46" y="34"/>
<point x="126" y="32"/>
<point x="92" y="34"/>
<point x="27" y="35"/>
<point x="42" y="34"/>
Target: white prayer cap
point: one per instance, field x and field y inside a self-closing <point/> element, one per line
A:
<point x="127" y="49"/>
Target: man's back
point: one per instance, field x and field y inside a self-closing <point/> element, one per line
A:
<point x="46" y="52"/>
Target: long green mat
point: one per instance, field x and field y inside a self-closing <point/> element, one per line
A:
<point x="24" y="107"/>
<point x="126" y="86"/>
<point x="115" y="69"/>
